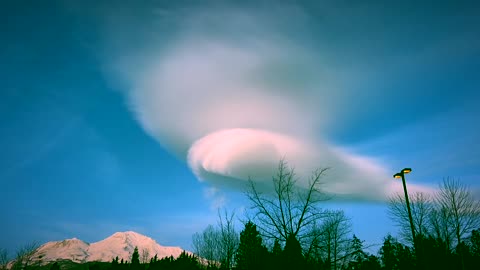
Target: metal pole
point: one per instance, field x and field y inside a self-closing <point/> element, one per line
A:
<point x="408" y="207"/>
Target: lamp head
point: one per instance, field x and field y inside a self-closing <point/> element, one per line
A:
<point x="397" y="175"/>
<point x="406" y="170"/>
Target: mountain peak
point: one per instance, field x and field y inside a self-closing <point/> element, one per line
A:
<point x="73" y="240"/>
<point x="128" y="233"/>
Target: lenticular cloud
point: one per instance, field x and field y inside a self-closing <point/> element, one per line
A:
<point x="233" y="111"/>
<point x="229" y="157"/>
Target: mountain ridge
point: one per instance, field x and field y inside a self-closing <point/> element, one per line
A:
<point x="119" y="244"/>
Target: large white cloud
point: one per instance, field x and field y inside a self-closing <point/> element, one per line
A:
<point x="232" y="106"/>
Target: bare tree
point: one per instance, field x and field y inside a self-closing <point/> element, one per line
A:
<point x="218" y="244"/>
<point x="145" y="255"/>
<point x="439" y="226"/>
<point x="421" y="207"/>
<point x="462" y="210"/>
<point x="334" y="242"/>
<point x="291" y="210"/>
<point x="3" y="259"/>
<point x="206" y="244"/>
<point x="450" y="215"/>
<point x="25" y="256"/>
<point x="229" y="239"/>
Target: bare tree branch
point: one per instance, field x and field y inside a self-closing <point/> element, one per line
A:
<point x="460" y="208"/>
<point x="292" y="209"/>
<point x="25" y="256"/>
<point x="421" y="206"/>
<point x="3" y="259"/>
<point x="217" y="245"/>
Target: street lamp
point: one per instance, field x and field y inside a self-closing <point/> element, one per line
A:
<point x="402" y="175"/>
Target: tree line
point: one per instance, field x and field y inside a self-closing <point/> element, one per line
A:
<point x="287" y="229"/>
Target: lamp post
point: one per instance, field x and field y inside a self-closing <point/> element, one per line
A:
<point x="402" y="175"/>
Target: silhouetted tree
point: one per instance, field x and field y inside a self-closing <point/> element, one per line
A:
<point x="277" y="249"/>
<point x="251" y="252"/>
<point x="292" y="210"/>
<point x="432" y="253"/>
<point x="439" y="226"/>
<point x="115" y="264"/>
<point x="229" y="239"/>
<point x="333" y="242"/>
<point x="357" y="254"/>
<point x="388" y="253"/>
<point x="154" y="259"/>
<point x="55" y="266"/>
<point x="371" y="263"/>
<point x="276" y="255"/>
<point x="463" y="208"/>
<point x="396" y="256"/>
<point x="94" y="266"/>
<point x="474" y="249"/>
<point x="3" y="259"/>
<point x="218" y="244"/>
<point x="163" y="264"/>
<point x="461" y="211"/>
<point x="292" y="254"/>
<point x="25" y="256"/>
<point x="420" y="205"/>
<point x="135" y="263"/>
<point x="186" y="262"/>
<point x="207" y="244"/>
<point x="145" y="255"/>
<point x="475" y="242"/>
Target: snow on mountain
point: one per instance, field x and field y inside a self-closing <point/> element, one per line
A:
<point x="70" y="249"/>
<point x="122" y="244"/>
<point x="119" y="244"/>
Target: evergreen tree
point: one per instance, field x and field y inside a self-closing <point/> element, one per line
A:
<point x="475" y="243"/>
<point x="135" y="264"/>
<point x="55" y="266"/>
<point x="277" y="249"/>
<point x="370" y="263"/>
<point x="432" y="253"/>
<point x="357" y="246"/>
<point x="292" y="254"/>
<point x="94" y="266"/>
<point x="115" y="265"/>
<point x="358" y="254"/>
<point x="251" y="251"/>
<point x="276" y="256"/>
<point x="474" y="249"/>
<point x="396" y="256"/>
<point x="388" y="253"/>
<point x="186" y="262"/>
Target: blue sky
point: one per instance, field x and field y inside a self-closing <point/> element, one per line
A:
<point x="147" y="116"/>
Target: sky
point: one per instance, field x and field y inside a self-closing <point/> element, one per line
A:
<point x="150" y="116"/>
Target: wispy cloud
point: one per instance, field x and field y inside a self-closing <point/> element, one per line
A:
<point x="217" y="198"/>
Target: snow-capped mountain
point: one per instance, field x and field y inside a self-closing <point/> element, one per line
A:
<point x="119" y="244"/>
<point x="122" y="244"/>
<point x="70" y="249"/>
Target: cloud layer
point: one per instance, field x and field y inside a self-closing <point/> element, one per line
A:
<point x="233" y="107"/>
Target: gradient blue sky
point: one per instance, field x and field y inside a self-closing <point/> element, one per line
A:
<point x="85" y="152"/>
